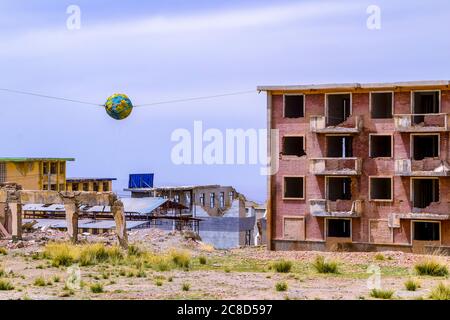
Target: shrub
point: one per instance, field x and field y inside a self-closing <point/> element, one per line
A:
<point x="5" y="285"/>
<point x="170" y="279"/>
<point x="96" y="288"/>
<point x="141" y="274"/>
<point x="159" y="283"/>
<point x="202" y="259"/>
<point x="3" y="251"/>
<point x="282" y="266"/>
<point x="36" y="256"/>
<point x="56" y="279"/>
<point x="180" y="258"/>
<point x="322" y="266"/>
<point x="64" y="254"/>
<point x="162" y="265"/>
<point x="40" y="282"/>
<point x="381" y="294"/>
<point x="2" y="273"/>
<point x="134" y="250"/>
<point x="431" y="267"/>
<point x="379" y="257"/>
<point x="61" y="254"/>
<point x="186" y="286"/>
<point x="158" y="262"/>
<point x="281" y="286"/>
<point x="93" y="254"/>
<point x="440" y="292"/>
<point x="412" y="285"/>
<point x="115" y="254"/>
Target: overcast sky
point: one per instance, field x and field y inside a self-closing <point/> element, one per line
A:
<point x="175" y="49"/>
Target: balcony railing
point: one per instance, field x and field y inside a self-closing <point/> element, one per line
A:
<point x="422" y="168"/>
<point x="423" y="122"/>
<point x="335" y="166"/>
<point x="353" y="124"/>
<point x="340" y="208"/>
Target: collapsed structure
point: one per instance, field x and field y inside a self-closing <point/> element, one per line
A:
<point x="361" y="166"/>
<point x="220" y="212"/>
<point x="13" y="198"/>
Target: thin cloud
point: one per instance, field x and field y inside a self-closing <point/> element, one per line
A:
<point x="207" y="22"/>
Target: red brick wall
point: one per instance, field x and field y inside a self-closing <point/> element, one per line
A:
<point x="315" y="145"/>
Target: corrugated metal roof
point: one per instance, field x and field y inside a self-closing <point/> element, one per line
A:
<point x="97" y="209"/>
<point x="142" y="205"/>
<point x="44" y="207"/>
<point x="130" y="205"/>
<point x="83" y="224"/>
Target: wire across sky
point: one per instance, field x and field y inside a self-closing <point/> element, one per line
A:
<point x="139" y="105"/>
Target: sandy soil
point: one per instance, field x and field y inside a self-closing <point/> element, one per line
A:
<point x="243" y="273"/>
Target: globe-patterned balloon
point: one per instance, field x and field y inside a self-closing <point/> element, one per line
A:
<point x="118" y="106"/>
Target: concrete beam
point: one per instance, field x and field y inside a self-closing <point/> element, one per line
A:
<point x="72" y="220"/>
<point x="15" y="210"/>
<point x="121" y="228"/>
<point x="14" y="197"/>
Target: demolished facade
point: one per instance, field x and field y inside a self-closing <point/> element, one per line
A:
<point x="13" y="199"/>
<point x="221" y="211"/>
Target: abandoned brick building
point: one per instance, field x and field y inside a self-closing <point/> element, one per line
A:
<point x="361" y="166"/>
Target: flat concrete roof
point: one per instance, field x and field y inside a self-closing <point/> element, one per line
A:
<point x="34" y="159"/>
<point x="355" y="86"/>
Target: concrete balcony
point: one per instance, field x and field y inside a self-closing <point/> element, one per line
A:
<point x="335" y="166"/>
<point x="353" y="124"/>
<point x="429" y="122"/>
<point x="421" y="168"/>
<point x="338" y="209"/>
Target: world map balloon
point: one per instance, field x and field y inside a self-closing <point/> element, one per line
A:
<point x="118" y="106"/>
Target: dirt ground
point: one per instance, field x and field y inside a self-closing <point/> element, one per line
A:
<point x="243" y="273"/>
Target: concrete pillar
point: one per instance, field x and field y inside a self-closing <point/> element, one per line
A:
<point x="15" y="210"/>
<point x="72" y="220"/>
<point x="121" y="228"/>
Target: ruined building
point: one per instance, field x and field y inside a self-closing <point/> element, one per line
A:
<point x="221" y="211"/>
<point x="361" y="166"/>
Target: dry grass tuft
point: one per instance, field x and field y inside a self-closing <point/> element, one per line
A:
<point x="322" y="266"/>
<point x="381" y="294"/>
<point x="440" y="292"/>
<point x="431" y="267"/>
<point x="180" y="258"/>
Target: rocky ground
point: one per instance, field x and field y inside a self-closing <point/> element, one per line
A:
<point x="244" y="273"/>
